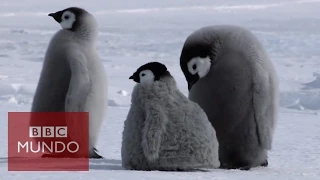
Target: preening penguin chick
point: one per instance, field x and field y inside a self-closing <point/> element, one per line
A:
<point x="164" y="130"/>
<point x="230" y="75"/>
<point x="73" y="78"/>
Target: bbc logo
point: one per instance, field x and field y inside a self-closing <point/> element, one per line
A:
<point x="48" y="131"/>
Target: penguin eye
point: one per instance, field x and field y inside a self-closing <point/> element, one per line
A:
<point x="193" y="66"/>
<point x="146" y="76"/>
<point x="68" y="18"/>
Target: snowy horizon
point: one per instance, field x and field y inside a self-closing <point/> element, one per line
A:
<point x="134" y="32"/>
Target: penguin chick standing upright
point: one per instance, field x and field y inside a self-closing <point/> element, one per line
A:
<point x="231" y="77"/>
<point x="73" y="78"/>
<point x="164" y="130"/>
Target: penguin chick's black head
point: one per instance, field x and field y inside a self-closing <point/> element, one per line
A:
<point x="68" y="18"/>
<point x="149" y="72"/>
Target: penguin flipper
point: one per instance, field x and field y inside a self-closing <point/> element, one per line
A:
<point x="155" y="125"/>
<point x="264" y="98"/>
<point x="79" y="87"/>
<point x="79" y="83"/>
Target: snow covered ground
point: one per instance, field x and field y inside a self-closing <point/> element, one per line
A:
<point x="135" y="32"/>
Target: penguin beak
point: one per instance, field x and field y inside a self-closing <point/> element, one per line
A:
<point x="56" y="16"/>
<point x="189" y="86"/>
<point x="135" y="78"/>
<point x="51" y="14"/>
<point x="191" y="82"/>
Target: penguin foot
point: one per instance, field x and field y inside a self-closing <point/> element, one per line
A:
<point x="265" y="163"/>
<point x="229" y="167"/>
<point x="226" y="166"/>
<point x="51" y="155"/>
<point x="245" y="168"/>
<point x="95" y="155"/>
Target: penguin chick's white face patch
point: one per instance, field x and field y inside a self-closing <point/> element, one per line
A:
<point x="67" y="20"/>
<point x="146" y="77"/>
<point x="199" y="65"/>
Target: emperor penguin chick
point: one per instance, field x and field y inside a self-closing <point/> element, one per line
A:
<point x="164" y="130"/>
<point x="230" y="75"/>
<point x="73" y="78"/>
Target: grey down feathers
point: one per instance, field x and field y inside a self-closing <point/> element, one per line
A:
<point x="164" y="130"/>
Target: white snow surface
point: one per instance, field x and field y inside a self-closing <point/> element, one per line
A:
<point x="135" y="32"/>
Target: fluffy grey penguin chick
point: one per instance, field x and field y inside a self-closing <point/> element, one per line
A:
<point x="164" y="130"/>
<point x="231" y="77"/>
<point x="73" y="78"/>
